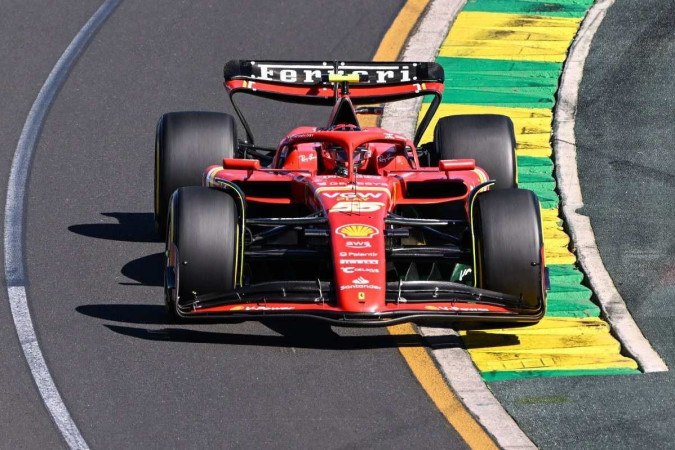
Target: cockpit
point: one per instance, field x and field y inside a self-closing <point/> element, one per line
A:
<point x="330" y="158"/>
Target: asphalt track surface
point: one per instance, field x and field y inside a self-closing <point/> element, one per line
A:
<point x="626" y="159"/>
<point x="128" y="378"/>
<point x="131" y="380"/>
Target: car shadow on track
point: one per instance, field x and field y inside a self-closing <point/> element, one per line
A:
<point x="130" y="227"/>
<point x="146" y="270"/>
<point x="296" y="333"/>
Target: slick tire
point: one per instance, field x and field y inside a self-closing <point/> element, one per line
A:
<point x="185" y="144"/>
<point x="487" y="138"/>
<point x="509" y="245"/>
<point x="203" y="230"/>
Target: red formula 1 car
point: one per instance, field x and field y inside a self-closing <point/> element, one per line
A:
<point x="352" y="225"/>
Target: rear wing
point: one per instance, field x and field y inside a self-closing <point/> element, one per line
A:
<point x="307" y="82"/>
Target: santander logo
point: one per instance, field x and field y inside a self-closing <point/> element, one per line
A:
<point x="360" y="280"/>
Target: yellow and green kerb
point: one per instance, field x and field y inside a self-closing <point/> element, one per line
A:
<point x="505" y="57"/>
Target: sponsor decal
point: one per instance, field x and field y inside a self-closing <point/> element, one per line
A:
<point x="361" y="254"/>
<point x="358" y="244"/>
<point x="308" y="158"/>
<point x="362" y="295"/>
<point x="300" y="136"/>
<point x="355" y="230"/>
<point x="360" y="286"/>
<point x="358" y="254"/>
<point x="351" y="270"/>
<point x="360" y="280"/>
<point x="262" y="308"/>
<point x="455" y="308"/>
<point x="387" y="156"/>
<point x="356" y="206"/>
<point x="311" y="73"/>
<point x="372" y="183"/>
<point x="365" y="262"/>
<point x="353" y="196"/>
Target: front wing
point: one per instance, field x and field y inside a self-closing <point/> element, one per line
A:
<point x="415" y="301"/>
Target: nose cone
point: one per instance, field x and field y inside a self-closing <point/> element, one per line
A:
<point x="356" y="220"/>
<point x="359" y="264"/>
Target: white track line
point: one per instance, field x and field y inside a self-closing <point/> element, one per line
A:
<point x="462" y="376"/>
<point x="564" y="145"/>
<point x="15" y="275"/>
<point x="455" y="363"/>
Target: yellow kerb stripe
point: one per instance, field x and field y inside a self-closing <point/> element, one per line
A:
<point x="552" y="344"/>
<point x="510" y="36"/>
<point x="531" y="125"/>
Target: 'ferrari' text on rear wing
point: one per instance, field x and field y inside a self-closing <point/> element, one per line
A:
<point x="307" y="81"/>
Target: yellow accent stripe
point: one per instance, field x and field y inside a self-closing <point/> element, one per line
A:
<point x="552" y="344"/>
<point x="211" y="175"/>
<point x="510" y="37"/>
<point x="481" y="174"/>
<point x="444" y="398"/>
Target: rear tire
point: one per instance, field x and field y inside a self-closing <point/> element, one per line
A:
<point x="203" y="230"/>
<point x="509" y="257"/>
<point x="487" y="138"/>
<point x="185" y="144"/>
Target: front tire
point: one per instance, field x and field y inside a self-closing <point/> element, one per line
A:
<point x="186" y="143"/>
<point x="487" y="138"/>
<point x="509" y="245"/>
<point x="202" y="244"/>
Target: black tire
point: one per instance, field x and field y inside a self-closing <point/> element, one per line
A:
<point x="185" y="144"/>
<point x="509" y="242"/>
<point x="203" y="227"/>
<point x="487" y="138"/>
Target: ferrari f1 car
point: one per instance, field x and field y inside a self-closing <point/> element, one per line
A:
<point x="349" y="224"/>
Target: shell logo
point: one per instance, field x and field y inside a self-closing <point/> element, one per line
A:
<point x="356" y="231"/>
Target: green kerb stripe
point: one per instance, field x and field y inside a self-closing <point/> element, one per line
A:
<point x="567" y="296"/>
<point x="528" y="165"/>
<point x="557" y="8"/>
<point x="499" y="82"/>
<point x="536" y="174"/>
<point x="517" y="375"/>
